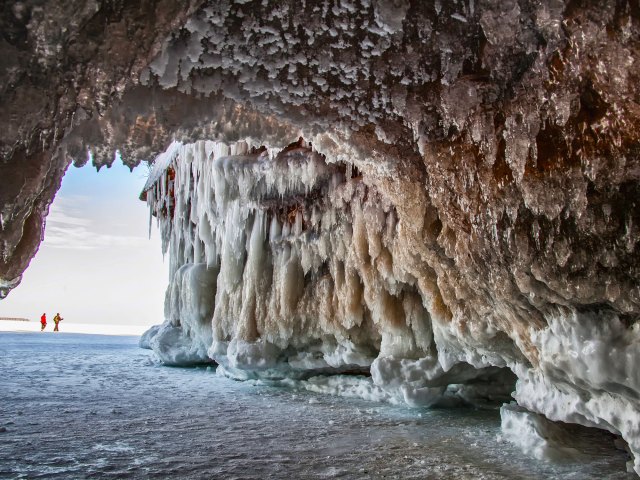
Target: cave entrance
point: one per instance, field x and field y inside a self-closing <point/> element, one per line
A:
<point x="96" y="264"/>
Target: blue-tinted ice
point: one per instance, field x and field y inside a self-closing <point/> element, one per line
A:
<point x="89" y="406"/>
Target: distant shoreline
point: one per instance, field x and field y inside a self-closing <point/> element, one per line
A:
<point x="71" y="327"/>
<point x="11" y="319"/>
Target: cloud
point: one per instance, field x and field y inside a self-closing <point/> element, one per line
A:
<point x="81" y="238"/>
<point x="70" y="201"/>
<point x="58" y="217"/>
<point x="69" y="226"/>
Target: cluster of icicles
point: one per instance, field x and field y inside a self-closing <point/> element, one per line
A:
<point x="205" y="195"/>
<point x="281" y="265"/>
<point x="286" y="267"/>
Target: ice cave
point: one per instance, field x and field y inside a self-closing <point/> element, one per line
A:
<point x="439" y="197"/>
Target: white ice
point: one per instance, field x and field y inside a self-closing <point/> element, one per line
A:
<point x="284" y="265"/>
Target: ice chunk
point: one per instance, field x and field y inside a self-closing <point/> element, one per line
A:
<point x="537" y="436"/>
<point x="146" y="337"/>
<point x="174" y="347"/>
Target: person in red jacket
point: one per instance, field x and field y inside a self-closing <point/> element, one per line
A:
<point x="43" y="321"/>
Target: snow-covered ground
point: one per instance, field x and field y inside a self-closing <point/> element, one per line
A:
<point x="89" y="406"/>
<point x="70" y="327"/>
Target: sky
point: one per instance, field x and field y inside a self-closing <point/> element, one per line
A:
<point x="97" y="264"/>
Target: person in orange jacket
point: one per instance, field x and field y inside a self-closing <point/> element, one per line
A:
<point x="57" y="319"/>
<point x="43" y="321"/>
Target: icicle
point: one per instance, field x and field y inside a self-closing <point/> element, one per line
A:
<point x="298" y="224"/>
<point x="274" y="230"/>
<point x="150" y="205"/>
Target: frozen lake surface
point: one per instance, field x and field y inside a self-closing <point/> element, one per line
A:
<point x="90" y="406"/>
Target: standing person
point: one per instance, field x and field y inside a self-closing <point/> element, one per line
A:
<point x="57" y="319"/>
<point x="43" y="321"/>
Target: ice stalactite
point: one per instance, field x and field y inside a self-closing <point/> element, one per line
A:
<point x="285" y="265"/>
<point x="303" y="251"/>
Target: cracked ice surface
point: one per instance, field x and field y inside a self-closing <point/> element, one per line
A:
<point x="104" y="408"/>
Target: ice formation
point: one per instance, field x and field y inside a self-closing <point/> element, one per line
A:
<point x="303" y="270"/>
<point x="550" y="441"/>
<point x="467" y="212"/>
<point x="282" y="264"/>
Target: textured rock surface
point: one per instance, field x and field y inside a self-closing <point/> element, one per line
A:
<point x="500" y="138"/>
<point x="62" y="65"/>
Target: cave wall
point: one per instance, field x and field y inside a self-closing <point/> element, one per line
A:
<point x="62" y="65"/>
<point x="503" y="136"/>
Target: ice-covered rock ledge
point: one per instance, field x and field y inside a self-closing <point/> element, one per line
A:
<point x="556" y="442"/>
<point x="286" y="264"/>
<point x="587" y="374"/>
